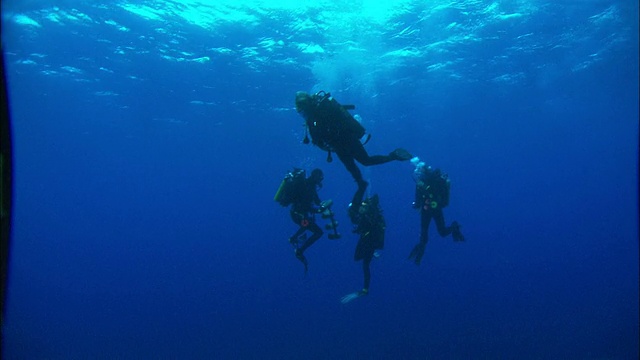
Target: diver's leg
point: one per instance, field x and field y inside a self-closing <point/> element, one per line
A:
<point x="366" y="270"/>
<point x="297" y="218"/>
<point x="347" y="159"/>
<point x="425" y="220"/>
<point x="418" y="251"/>
<point x="294" y="238"/>
<point x="360" y="154"/>
<point x="357" y="197"/>
<point x="443" y="229"/>
<point x="317" y="233"/>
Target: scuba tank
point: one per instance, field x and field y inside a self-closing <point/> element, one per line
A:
<point x="289" y="187"/>
<point x="331" y="121"/>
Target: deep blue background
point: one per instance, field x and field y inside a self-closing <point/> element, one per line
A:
<point x="144" y="224"/>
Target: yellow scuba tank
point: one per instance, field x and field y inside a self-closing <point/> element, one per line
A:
<point x="290" y="187"/>
<point x="278" y="196"/>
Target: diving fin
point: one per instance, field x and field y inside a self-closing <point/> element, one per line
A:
<point x="401" y="154"/>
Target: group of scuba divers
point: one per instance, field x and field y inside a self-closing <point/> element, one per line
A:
<point x="333" y="129"/>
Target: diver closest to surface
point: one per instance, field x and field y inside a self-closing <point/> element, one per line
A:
<point x="333" y="129"/>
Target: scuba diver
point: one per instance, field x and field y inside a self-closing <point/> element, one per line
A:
<point x="334" y="129"/>
<point x="370" y="225"/>
<point x="301" y="193"/>
<point x="432" y="195"/>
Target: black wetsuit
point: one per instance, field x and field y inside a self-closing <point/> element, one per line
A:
<point x="350" y="150"/>
<point x="302" y="213"/>
<point x="332" y="128"/>
<point x="432" y="195"/>
<point x="371" y="228"/>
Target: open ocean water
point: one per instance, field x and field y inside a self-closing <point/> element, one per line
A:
<point x="150" y="138"/>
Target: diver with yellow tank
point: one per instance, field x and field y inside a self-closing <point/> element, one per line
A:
<point x="301" y="193"/>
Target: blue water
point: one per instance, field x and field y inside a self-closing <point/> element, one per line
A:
<point x="150" y="137"/>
